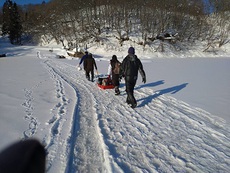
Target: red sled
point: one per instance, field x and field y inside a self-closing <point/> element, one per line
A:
<point x="106" y="86"/>
<point x="105" y="82"/>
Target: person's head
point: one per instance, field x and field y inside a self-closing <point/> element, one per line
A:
<point x="86" y="52"/>
<point x="114" y="58"/>
<point x="90" y="55"/>
<point x="131" y="51"/>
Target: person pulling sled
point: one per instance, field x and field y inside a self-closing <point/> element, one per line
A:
<point x="114" y="73"/>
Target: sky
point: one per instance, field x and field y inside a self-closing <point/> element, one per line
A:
<point x="23" y="2"/>
<point x="208" y="8"/>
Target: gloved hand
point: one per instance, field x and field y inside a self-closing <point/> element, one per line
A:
<point x="144" y="80"/>
<point x="79" y="68"/>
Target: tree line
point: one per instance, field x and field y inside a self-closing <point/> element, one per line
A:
<point x="78" y="21"/>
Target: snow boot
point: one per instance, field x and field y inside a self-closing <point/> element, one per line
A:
<point x="131" y="100"/>
<point x="133" y="105"/>
<point x="117" y="91"/>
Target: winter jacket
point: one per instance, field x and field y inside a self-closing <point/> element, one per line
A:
<point x="115" y="76"/>
<point x="130" y="67"/>
<point x="83" y="58"/>
<point x="113" y="66"/>
<point x="89" y="63"/>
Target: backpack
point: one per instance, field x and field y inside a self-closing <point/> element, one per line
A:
<point x="116" y="69"/>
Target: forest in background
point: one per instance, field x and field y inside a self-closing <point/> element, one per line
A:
<point x="78" y="21"/>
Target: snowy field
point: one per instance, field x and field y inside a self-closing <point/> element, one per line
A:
<point x="181" y="123"/>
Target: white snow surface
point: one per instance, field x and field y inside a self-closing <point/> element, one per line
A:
<point x="181" y="123"/>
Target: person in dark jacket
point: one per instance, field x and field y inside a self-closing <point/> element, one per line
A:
<point x="114" y="71"/>
<point x="89" y="64"/>
<point x="83" y="58"/>
<point x="129" y="70"/>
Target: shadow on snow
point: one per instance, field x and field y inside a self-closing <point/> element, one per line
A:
<point x="153" y="84"/>
<point x="171" y="90"/>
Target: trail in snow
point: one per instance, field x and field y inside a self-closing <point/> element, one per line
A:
<point x="32" y="127"/>
<point x="161" y="135"/>
<point x="89" y="153"/>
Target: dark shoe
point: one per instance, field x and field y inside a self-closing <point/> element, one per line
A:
<point x="117" y="93"/>
<point x="133" y="105"/>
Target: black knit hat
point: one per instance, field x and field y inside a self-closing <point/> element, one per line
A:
<point x="114" y="57"/>
<point x="131" y="50"/>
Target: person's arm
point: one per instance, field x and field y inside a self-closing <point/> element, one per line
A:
<point x="94" y="62"/>
<point x="82" y="59"/>
<point x="142" y="72"/>
<point x="122" y="68"/>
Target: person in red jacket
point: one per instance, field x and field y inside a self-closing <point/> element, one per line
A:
<point x="89" y="64"/>
<point x="129" y="70"/>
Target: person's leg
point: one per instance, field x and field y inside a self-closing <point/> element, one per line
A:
<point x="87" y="74"/>
<point x="130" y="83"/>
<point x="117" y="91"/>
<point x="131" y="99"/>
<point x="116" y="83"/>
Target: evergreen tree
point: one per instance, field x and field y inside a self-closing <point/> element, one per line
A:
<point x="11" y="22"/>
<point x="1" y="17"/>
<point x="6" y="17"/>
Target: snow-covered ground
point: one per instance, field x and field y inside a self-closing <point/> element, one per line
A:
<point x="181" y="123"/>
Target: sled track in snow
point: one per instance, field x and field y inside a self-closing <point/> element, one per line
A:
<point x="161" y="135"/>
<point x="57" y="120"/>
<point x="84" y="120"/>
<point x="53" y="141"/>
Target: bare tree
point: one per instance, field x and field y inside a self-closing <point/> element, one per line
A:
<point x="79" y="21"/>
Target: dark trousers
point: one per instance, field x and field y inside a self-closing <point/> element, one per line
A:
<point x="116" y="83"/>
<point x="130" y="83"/>
<point x="115" y="80"/>
<point x="87" y="74"/>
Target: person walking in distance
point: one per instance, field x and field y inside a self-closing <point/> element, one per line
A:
<point x="114" y="72"/>
<point x="89" y="64"/>
<point x="129" y="70"/>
